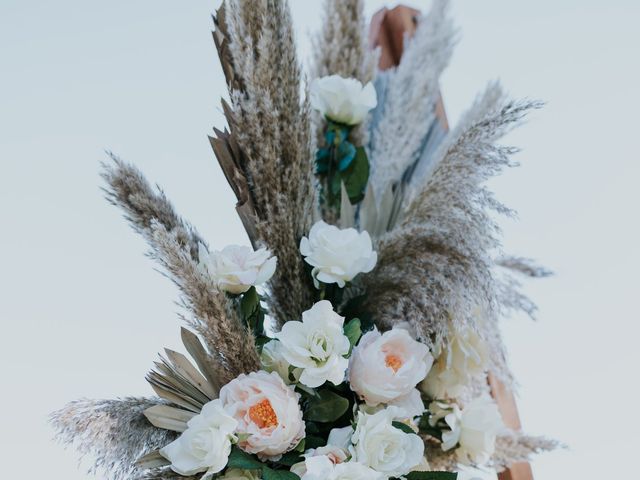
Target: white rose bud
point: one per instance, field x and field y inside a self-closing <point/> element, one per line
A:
<point x="322" y="468"/>
<point x="474" y="428"/>
<point x="383" y="447"/>
<point x="387" y="366"/>
<point x="336" y="255"/>
<point x="272" y="360"/>
<point x="465" y="356"/>
<point x="205" y="445"/>
<point x="317" y="345"/>
<point x="267" y="411"/>
<point x="235" y="268"/>
<point x="343" y="100"/>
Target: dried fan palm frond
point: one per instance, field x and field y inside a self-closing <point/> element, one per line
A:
<point x="438" y="265"/>
<point x="268" y="154"/>
<point x="115" y="432"/>
<point x="215" y="317"/>
<point x="408" y="108"/>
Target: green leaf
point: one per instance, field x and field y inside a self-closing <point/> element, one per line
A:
<point x="355" y="178"/>
<point x="289" y="459"/>
<point x="326" y="407"/>
<point x="269" y="474"/>
<point x="431" y="476"/>
<point x="353" y="332"/>
<point x="346" y="153"/>
<point x="240" y="459"/>
<point x="251" y="311"/>
<point x="403" y="426"/>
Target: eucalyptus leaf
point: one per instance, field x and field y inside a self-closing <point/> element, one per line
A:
<point x="403" y="426"/>
<point x="431" y="476"/>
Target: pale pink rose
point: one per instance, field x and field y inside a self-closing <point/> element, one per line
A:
<point x="267" y="411"/>
<point x="387" y="366"/>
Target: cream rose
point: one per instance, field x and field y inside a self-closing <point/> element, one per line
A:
<point x="387" y="366"/>
<point x="465" y="356"/>
<point x="267" y="411"/>
<point x="272" y="360"/>
<point x="317" y="345"/>
<point x="205" y="445"/>
<point x="322" y="468"/>
<point x="336" y="255"/>
<point x="473" y="429"/>
<point x="383" y="447"/>
<point x="343" y="100"/>
<point x="237" y="268"/>
<point x="238" y="474"/>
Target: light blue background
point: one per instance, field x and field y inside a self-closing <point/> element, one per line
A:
<point x="84" y="314"/>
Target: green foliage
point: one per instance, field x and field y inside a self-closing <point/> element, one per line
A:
<point x="252" y="314"/>
<point x="353" y="332"/>
<point x="245" y="461"/>
<point x="326" y="406"/>
<point x="341" y="162"/>
<point x="403" y="426"/>
<point x="431" y="476"/>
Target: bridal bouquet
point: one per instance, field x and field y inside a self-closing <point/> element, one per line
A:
<point x="353" y="337"/>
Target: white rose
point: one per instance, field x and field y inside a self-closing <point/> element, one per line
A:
<point x="322" y="468"/>
<point x="336" y="255"/>
<point x="387" y="366"/>
<point x="343" y="100"/>
<point x="474" y="428"/>
<point x="267" y="412"/>
<point x="383" y="447"/>
<point x="410" y="404"/>
<point x="205" y="445"/>
<point x="238" y="474"/>
<point x="272" y="360"/>
<point x="465" y="356"/>
<point x="237" y="268"/>
<point x="317" y="345"/>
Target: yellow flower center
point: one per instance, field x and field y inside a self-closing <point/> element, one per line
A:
<point x="263" y="415"/>
<point x="393" y="361"/>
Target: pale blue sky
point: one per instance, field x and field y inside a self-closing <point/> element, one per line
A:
<point x="83" y="312"/>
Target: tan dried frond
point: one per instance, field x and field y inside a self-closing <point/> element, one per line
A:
<point x="268" y="151"/>
<point x="513" y="447"/>
<point x="113" y="432"/>
<point x="438" y="264"/>
<point x="215" y="317"/>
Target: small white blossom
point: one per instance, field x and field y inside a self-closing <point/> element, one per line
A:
<point x="336" y="255"/>
<point x="322" y="468"/>
<point x="205" y="445"/>
<point x="474" y="428"/>
<point x="383" y="447"/>
<point x="343" y="100"/>
<point x="317" y="345"/>
<point x="235" y="268"/>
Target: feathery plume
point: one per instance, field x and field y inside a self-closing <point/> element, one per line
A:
<point x="115" y="432"/>
<point x="514" y="447"/>
<point x="269" y="139"/>
<point x="341" y="48"/>
<point x="215" y="317"/>
<point x="437" y="265"/>
<point x="142" y="205"/>
<point x="409" y="104"/>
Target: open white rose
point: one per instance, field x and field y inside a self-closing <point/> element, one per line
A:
<point x="236" y="268"/>
<point x="474" y="428"/>
<point x="322" y="468"/>
<point x="267" y="412"/>
<point x="238" y="474"/>
<point x="336" y="255"/>
<point x="205" y="445"/>
<point x="387" y="366"/>
<point x="343" y="100"/>
<point x="272" y="360"/>
<point x="317" y="345"/>
<point x="383" y="447"/>
<point x="465" y="356"/>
